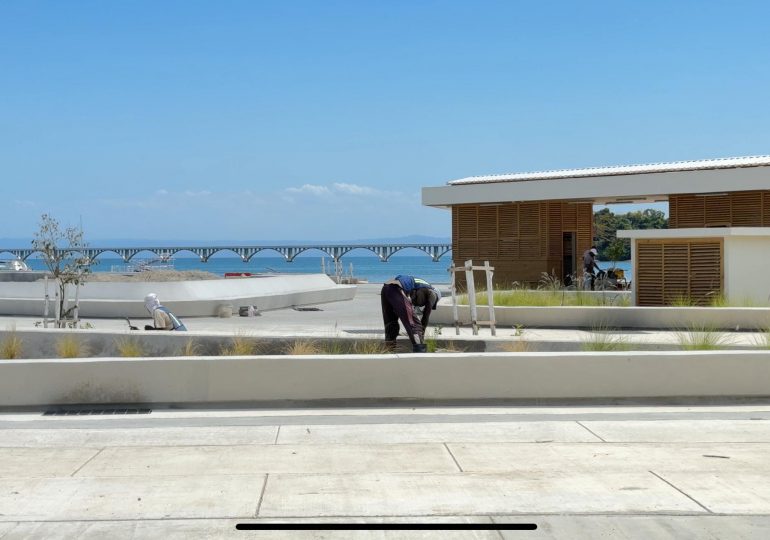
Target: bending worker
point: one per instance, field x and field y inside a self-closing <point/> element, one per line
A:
<point x="162" y="318"/>
<point x="399" y="297"/>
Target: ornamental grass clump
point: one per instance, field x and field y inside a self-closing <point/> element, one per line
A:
<point x="71" y="347"/>
<point x="431" y="342"/>
<point x="370" y="347"/>
<point x="547" y="298"/>
<point x="129" y="347"/>
<point x="682" y="300"/>
<point x="762" y="341"/>
<point x="549" y="282"/>
<point x="702" y="338"/>
<point x="190" y="348"/>
<point x="11" y="347"/>
<point x="240" y="345"/>
<point x="302" y="347"/>
<point x="604" y="339"/>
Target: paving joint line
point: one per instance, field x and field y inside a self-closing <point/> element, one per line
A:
<point x="589" y="431"/>
<point x="277" y="432"/>
<point x="494" y="522"/>
<point x="261" y="495"/>
<point x="398" y="516"/>
<point x="453" y="457"/>
<point x="89" y="460"/>
<point x="680" y="491"/>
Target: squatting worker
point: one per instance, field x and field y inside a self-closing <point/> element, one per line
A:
<point x="162" y="318"/>
<point x="589" y="264"/>
<point x="399" y="297"/>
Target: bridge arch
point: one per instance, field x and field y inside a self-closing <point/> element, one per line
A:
<point x="222" y="251"/>
<point x="99" y="252"/>
<point x="9" y="254"/>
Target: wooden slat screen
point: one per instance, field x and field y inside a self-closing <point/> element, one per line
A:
<point x="487" y="232"/>
<point x="747" y="209"/>
<point x="585" y="227"/>
<point x="735" y="209"/>
<point x="705" y="271"/>
<point x="678" y="269"/>
<point x="649" y="273"/>
<point x="521" y="240"/>
<point x="688" y="211"/>
<point x="676" y="272"/>
<point x="717" y="211"/>
<point x="569" y="217"/>
<point x="555" y="229"/>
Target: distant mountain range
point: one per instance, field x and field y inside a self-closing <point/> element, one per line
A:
<point x="6" y="243"/>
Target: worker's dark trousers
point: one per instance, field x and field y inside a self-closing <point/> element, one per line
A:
<point x="396" y="306"/>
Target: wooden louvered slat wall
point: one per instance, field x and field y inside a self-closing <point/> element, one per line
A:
<point x="554" y="229"/>
<point x="585" y="227"/>
<point x="649" y="273"/>
<point x="706" y="275"/>
<point x="746" y="209"/>
<point x="668" y="270"/>
<point x="676" y="272"/>
<point x="487" y="232"/>
<point x="766" y="209"/>
<point x="521" y="240"/>
<point x="717" y="211"/>
<point x="735" y="209"/>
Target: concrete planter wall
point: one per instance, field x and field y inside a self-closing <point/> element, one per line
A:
<point x="614" y="317"/>
<point x="409" y="376"/>
<point x="200" y="298"/>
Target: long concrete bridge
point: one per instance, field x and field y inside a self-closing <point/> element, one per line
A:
<point x="289" y="252"/>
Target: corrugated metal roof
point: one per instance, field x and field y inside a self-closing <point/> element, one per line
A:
<point x="675" y="166"/>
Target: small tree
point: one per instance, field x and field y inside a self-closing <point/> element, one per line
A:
<point x="62" y="254"/>
<point x="616" y="251"/>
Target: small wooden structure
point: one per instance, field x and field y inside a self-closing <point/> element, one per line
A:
<point x="467" y="269"/>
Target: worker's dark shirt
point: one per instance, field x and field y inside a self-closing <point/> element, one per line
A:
<point x="589" y="262"/>
<point x="421" y="298"/>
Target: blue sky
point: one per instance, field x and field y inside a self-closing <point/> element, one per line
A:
<point x="309" y="120"/>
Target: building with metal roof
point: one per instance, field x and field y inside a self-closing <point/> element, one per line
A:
<point x="536" y="223"/>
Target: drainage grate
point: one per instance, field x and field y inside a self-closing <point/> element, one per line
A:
<point x="94" y="412"/>
<point x="301" y="308"/>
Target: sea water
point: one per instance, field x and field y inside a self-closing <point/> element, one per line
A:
<point x="369" y="268"/>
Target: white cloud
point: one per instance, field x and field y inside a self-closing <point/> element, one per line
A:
<point x="310" y="188"/>
<point x="202" y="193"/>
<point x="161" y="192"/>
<point x="336" y="188"/>
<point x="354" y="189"/>
<point x="24" y="203"/>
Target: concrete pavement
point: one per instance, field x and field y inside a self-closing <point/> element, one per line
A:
<point x="628" y="471"/>
<point x="577" y="470"/>
<point x="361" y="317"/>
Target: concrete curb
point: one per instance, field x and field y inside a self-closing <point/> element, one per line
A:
<point x="613" y="317"/>
<point x="467" y="376"/>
